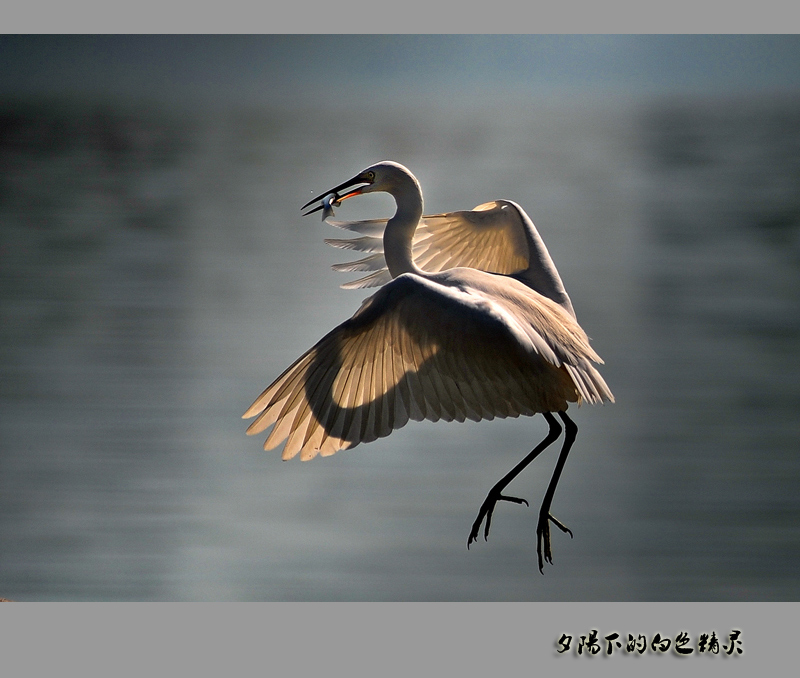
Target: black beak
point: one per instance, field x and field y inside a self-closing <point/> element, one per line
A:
<point x="359" y="179"/>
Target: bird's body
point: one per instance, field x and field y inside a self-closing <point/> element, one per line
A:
<point x="486" y="331"/>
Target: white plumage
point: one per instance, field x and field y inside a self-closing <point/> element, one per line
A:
<point x="472" y="322"/>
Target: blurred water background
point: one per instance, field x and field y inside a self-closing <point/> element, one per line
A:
<point x="156" y="275"/>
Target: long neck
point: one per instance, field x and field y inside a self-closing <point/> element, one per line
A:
<point x="399" y="234"/>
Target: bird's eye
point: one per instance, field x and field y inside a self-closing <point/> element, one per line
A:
<point x="371" y="175"/>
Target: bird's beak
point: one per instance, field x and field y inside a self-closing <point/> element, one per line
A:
<point x="358" y="179"/>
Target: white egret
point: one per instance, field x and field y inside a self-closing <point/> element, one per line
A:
<point x="473" y="322"/>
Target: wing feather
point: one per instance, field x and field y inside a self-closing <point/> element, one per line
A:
<point x="489" y="238"/>
<point x="419" y="383"/>
<point x="447" y="348"/>
<point x="376" y="279"/>
<point x="374" y="262"/>
<point x="469" y="385"/>
<point x="405" y="407"/>
<point x="363" y="244"/>
<point x="369" y="227"/>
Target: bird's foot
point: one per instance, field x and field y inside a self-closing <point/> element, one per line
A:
<point x="487" y="508"/>
<point x="543" y="537"/>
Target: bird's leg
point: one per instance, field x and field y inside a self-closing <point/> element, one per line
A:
<point x="496" y="493"/>
<point x="543" y="526"/>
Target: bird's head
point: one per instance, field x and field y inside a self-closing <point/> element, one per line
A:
<point x="387" y="176"/>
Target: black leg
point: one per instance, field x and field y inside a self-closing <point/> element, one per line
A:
<point x="543" y="526"/>
<point x="495" y="494"/>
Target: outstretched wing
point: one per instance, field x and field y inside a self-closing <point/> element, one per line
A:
<point x="489" y="238"/>
<point x="420" y="350"/>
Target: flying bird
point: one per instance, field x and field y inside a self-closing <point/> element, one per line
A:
<point x="472" y="321"/>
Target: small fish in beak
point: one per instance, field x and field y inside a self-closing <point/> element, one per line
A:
<point x="328" y="203"/>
